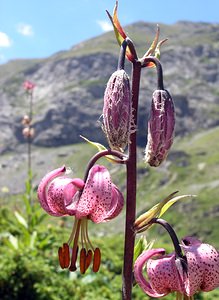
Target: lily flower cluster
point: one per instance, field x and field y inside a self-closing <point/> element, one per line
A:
<point x="96" y="199"/>
<point x="28" y="131"/>
<point x="166" y="273"/>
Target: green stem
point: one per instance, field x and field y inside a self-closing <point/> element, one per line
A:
<point x="131" y="191"/>
<point x="29" y="144"/>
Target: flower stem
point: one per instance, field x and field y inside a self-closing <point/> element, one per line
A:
<point x="131" y="191"/>
<point x="172" y="234"/>
<point x="29" y="149"/>
<point x="121" y="62"/>
<point x="121" y="159"/>
<point x="148" y="59"/>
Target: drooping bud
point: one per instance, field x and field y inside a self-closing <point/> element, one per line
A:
<point x="160" y="128"/>
<point x="117" y="110"/>
<point x="28" y="132"/>
<point x="26" y="120"/>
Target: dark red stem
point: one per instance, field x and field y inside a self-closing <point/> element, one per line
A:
<point x="131" y="192"/>
<point x="158" y="65"/>
<point x="121" y="159"/>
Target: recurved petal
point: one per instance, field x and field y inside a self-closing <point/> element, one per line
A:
<point x="210" y="261"/>
<point x="60" y="194"/>
<point x="164" y="275"/>
<point x="138" y="272"/>
<point x="203" y="266"/>
<point x="117" y="203"/>
<point x="95" y="200"/>
<point x="70" y="189"/>
<point x="43" y="187"/>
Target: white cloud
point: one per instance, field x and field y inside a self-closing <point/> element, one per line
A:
<point x="105" y="25"/>
<point x="25" y="29"/>
<point x="5" y="41"/>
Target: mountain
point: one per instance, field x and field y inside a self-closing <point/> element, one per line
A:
<point x="68" y="97"/>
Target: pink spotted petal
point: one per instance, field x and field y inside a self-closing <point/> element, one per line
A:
<point x="203" y="266"/>
<point x="75" y="184"/>
<point x="60" y="194"/>
<point x="42" y="190"/>
<point x="56" y="192"/>
<point x="210" y="261"/>
<point x="139" y="277"/>
<point x="164" y="275"/>
<point x="95" y="200"/>
<point x="117" y="203"/>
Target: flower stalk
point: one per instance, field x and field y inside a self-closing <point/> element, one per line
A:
<point x="131" y="190"/>
<point x="28" y="133"/>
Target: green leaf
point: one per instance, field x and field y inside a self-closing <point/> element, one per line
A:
<point x="32" y="239"/>
<point x="141" y="246"/>
<point x="12" y="240"/>
<point x="99" y="146"/>
<point x="21" y="219"/>
<point x="142" y="223"/>
<point x="172" y="201"/>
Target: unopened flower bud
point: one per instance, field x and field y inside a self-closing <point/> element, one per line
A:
<point x="28" y="132"/>
<point x="25" y="120"/>
<point x="160" y="128"/>
<point x="117" y="110"/>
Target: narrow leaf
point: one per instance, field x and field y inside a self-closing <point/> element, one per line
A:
<point x="21" y="219"/>
<point x="153" y="44"/>
<point x="157" y="50"/>
<point x="119" y="32"/>
<point x="33" y="239"/>
<point x="172" y="201"/>
<point x="100" y="148"/>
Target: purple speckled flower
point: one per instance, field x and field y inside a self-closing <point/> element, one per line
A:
<point x="160" y="128"/>
<point x="165" y="275"/>
<point x="117" y="110"/>
<point x="98" y="199"/>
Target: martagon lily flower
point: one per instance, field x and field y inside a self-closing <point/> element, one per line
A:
<point x="166" y="274"/>
<point x="97" y="199"/>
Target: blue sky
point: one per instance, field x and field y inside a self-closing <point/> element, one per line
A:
<point x="40" y="28"/>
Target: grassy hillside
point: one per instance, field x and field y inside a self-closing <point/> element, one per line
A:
<point x="192" y="168"/>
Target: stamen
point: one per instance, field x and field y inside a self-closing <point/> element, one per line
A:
<point x="75" y="247"/>
<point x="83" y="233"/>
<point x="61" y="257"/>
<point x="88" y="259"/>
<point x="73" y="232"/>
<point x="83" y="256"/>
<point x="87" y="237"/>
<point x="66" y="255"/>
<point x="96" y="260"/>
<point x="72" y="266"/>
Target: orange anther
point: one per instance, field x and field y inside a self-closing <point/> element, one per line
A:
<point x="61" y="257"/>
<point x="83" y="256"/>
<point x="96" y="260"/>
<point x="66" y="254"/>
<point x="72" y="267"/>
<point x="88" y="259"/>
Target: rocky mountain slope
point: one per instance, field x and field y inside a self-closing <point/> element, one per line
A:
<point x="68" y="97"/>
<point x="70" y="85"/>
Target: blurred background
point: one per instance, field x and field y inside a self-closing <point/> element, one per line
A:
<point x="68" y="50"/>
